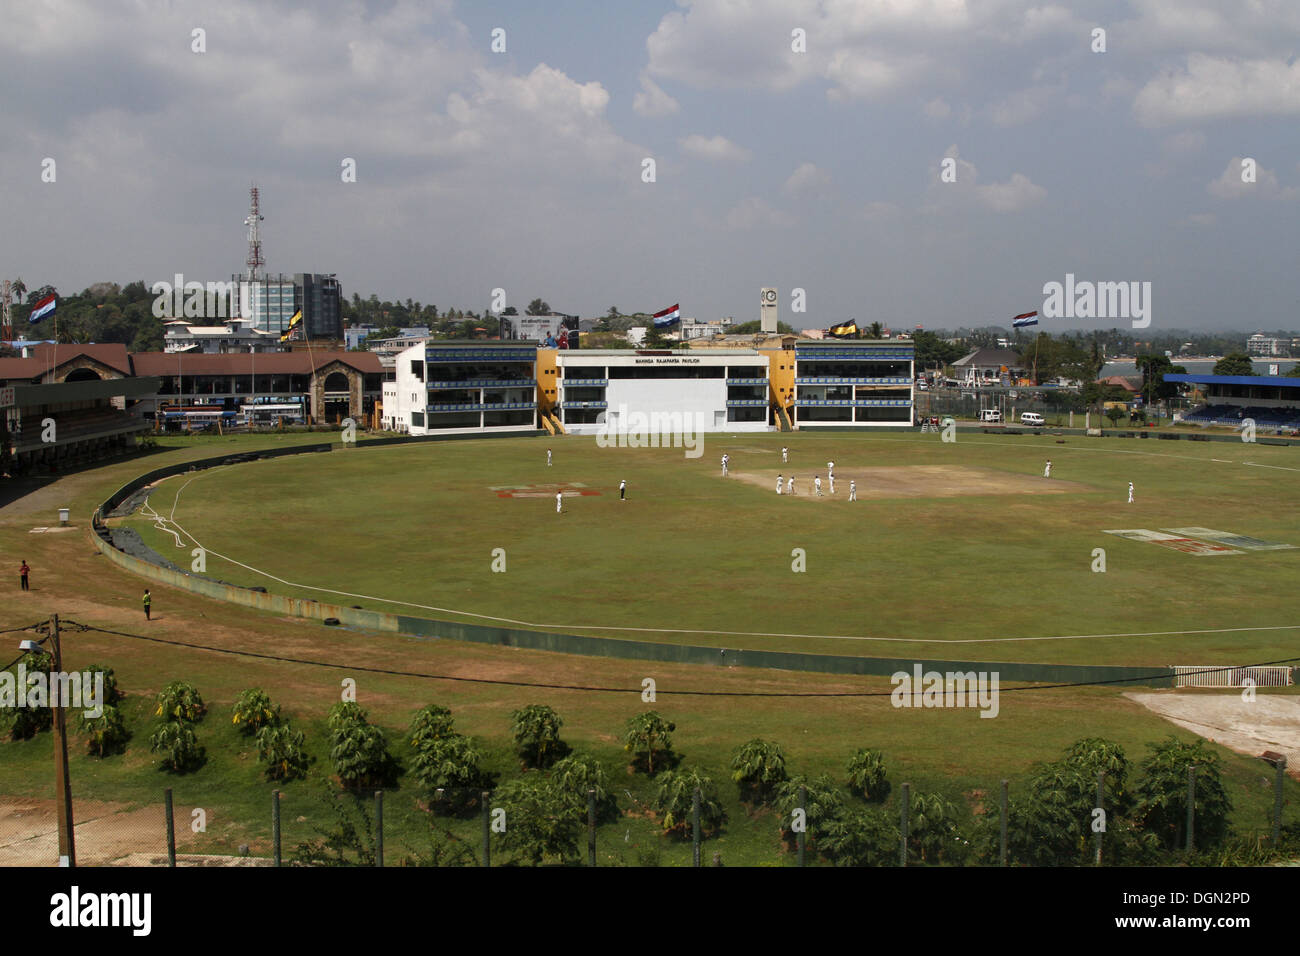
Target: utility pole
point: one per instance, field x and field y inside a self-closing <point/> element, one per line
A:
<point x="62" y="783"/>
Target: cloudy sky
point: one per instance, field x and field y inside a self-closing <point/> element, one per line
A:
<point x="796" y="143"/>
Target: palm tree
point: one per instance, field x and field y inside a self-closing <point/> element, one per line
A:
<point x="875" y="330"/>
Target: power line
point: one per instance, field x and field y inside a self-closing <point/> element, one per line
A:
<point x="73" y="625"/>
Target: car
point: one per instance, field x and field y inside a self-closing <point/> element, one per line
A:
<point x="1031" y="418"/>
<point x="990" y="415"/>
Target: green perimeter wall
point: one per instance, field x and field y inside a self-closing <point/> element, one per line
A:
<point x="360" y="619"/>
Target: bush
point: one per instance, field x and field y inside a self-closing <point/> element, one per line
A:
<point x="451" y="764"/>
<point x="106" y="734"/>
<point x="536" y="730"/>
<point x="350" y="842"/>
<point x="282" y="750"/>
<point x="179" y="745"/>
<point x="360" y="755"/>
<point x="1162" y="795"/>
<point x="862" y="836"/>
<point x="932" y="832"/>
<point x="867" y="776"/>
<point x="253" y="711"/>
<point x="759" y="768"/>
<point x="823" y="804"/>
<point x="180" y="700"/>
<point x="647" y="734"/>
<point x="24" y="723"/>
<point x="540" y="824"/>
<point x="574" y="776"/>
<point x="674" y="798"/>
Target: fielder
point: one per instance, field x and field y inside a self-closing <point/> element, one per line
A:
<point x="791" y="486"/>
<point x="1047" y="469"/>
<point x="1130" y="492"/>
<point x="817" y="483"/>
<point x="622" y="490"/>
<point x="559" y="501"/>
<point x="784" y="455"/>
<point x="832" y="481"/>
<point x="548" y="458"/>
<point x="780" y="482"/>
<point x="725" y="460"/>
<point x="830" y="470"/>
<point x="853" y="491"/>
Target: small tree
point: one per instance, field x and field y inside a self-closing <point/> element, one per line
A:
<point x="430" y="723"/>
<point x="862" y="836"/>
<point x="26" y="722"/>
<point x="180" y="700"/>
<point x="253" y="711"/>
<point x="282" y="750"/>
<point x="358" y="750"/>
<point x="536" y="730"/>
<point x="1114" y="413"/>
<point x="450" y="764"/>
<point x="867" y="776"/>
<point x="539" y="821"/>
<point x="105" y="734"/>
<point x="674" y="800"/>
<point x="647" y="734"/>
<point x="1162" y="795"/>
<point x="179" y="746"/>
<point x="933" y="834"/>
<point x="112" y="694"/>
<point x="823" y="804"/>
<point x="574" y="776"/>
<point x="758" y="767"/>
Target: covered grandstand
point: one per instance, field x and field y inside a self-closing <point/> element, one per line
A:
<point x="1272" y="402"/>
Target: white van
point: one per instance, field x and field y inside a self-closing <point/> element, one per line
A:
<point x="1031" y="418"/>
<point x="990" y="415"/>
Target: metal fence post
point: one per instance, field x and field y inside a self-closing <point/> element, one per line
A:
<point x="801" y="836"/>
<point x="171" y="827"/>
<point x="695" y="827"/>
<point x="1002" y="852"/>
<point x="1101" y="797"/>
<point x="1277" y="801"/>
<point x="487" y="816"/>
<point x="379" y="828"/>
<point x="275" y="825"/>
<point x="902" y="825"/>
<point x="1191" y="807"/>
<point x="591" y="827"/>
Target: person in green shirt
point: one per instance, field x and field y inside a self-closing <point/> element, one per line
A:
<point x="147" y="603"/>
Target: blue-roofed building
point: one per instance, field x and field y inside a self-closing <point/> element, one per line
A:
<point x="1272" y="402"/>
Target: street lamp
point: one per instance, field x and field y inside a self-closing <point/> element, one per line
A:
<point x="62" y="782"/>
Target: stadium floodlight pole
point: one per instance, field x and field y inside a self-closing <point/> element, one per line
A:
<point x="62" y="782"/>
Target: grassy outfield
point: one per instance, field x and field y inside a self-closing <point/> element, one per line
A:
<point x="963" y="557"/>
<point x="420" y="523"/>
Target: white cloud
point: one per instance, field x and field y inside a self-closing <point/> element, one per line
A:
<point x="1017" y="193"/>
<point x="1266" y="186"/>
<point x="1022" y="106"/>
<point x="754" y="212"/>
<point x="1012" y="196"/>
<point x="1218" y="88"/>
<point x="653" y="101"/>
<point x="1184" y="144"/>
<point x="808" y="178"/>
<point x="937" y="109"/>
<point x="716" y="149"/>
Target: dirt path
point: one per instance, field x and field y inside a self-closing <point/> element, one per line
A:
<point x="1269" y="722"/>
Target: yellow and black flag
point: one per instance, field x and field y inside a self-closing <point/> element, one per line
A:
<point x="288" y="332"/>
<point x="845" y="330"/>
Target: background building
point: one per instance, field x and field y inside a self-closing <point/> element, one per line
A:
<point x="274" y="300"/>
<point x="853" y="382"/>
<point x="449" y="387"/>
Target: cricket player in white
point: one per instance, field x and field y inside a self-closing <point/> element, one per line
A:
<point x="780" y="482"/>
<point x="832" y="481"/>
<point x="1047" y="469"/>
<point x="830" y="470"/>
<point x="784" y="459"/>
<point x="817" y="483"/>
<point x="790" y="486"/>
<point x="725" y="459"/>
<point x="548" y="458"/>
<point x="1130" y="492"/>
<point x="559" y="501"/>
<point x="622" y="490"/>
<point x="853" y="491"/>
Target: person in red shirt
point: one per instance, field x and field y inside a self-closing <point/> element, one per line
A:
<point x="23" y="572"/>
